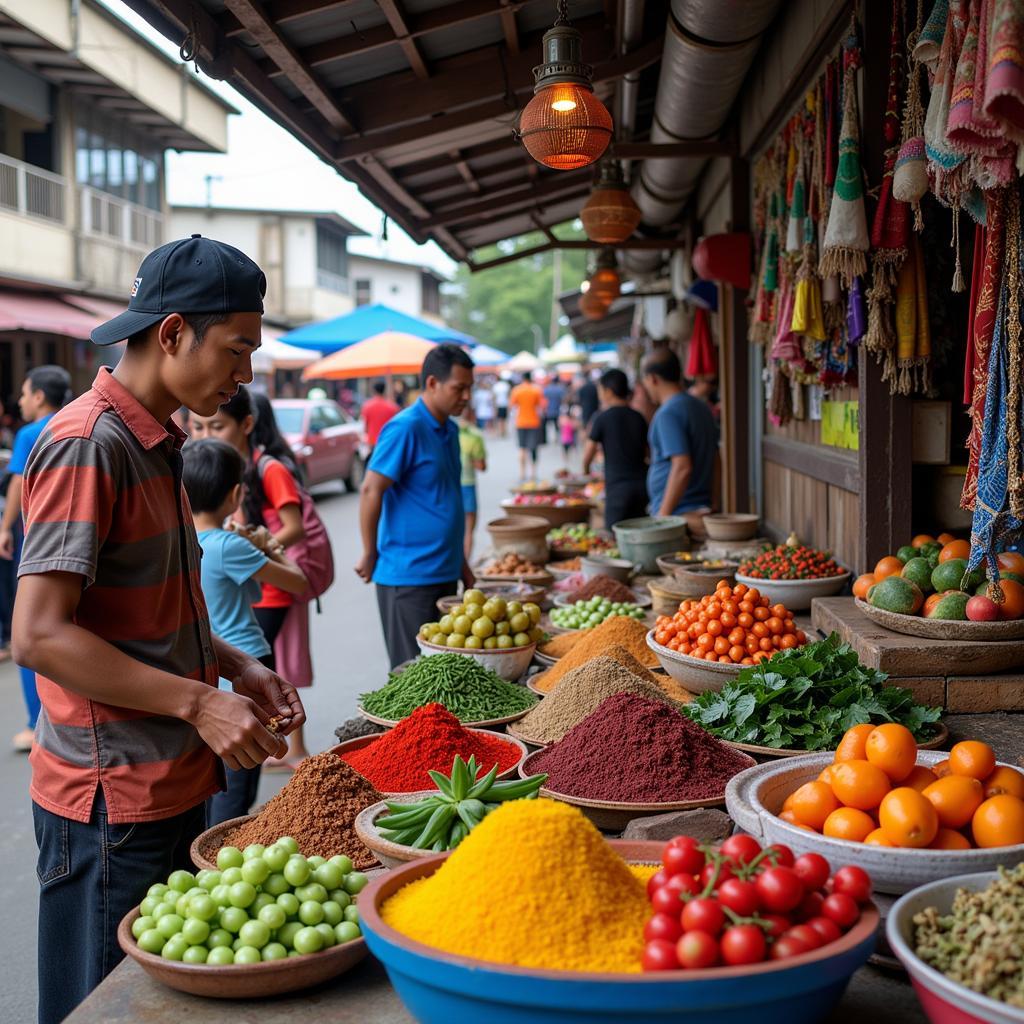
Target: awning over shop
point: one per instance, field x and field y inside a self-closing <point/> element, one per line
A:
<point x="45" y="314"/>
<point x="274" y="354"/>
<point x="485" y="357"/>
<point x="367" y="321"/>
<point x="380" y="356"/>
<point x="102" y="309"/>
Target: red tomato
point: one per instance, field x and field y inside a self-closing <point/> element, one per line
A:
<point x="697" y="949"/>
<point x="784" y="855"/>
<point x="777" y="923"/>
<point x="660" y="955"/>
<point x="703" y="915"/>
<point x="656" y="881"/>
<point x="826" y="928"/>
<point x="740" y="848"/>
<point x="805" y="933"/>
<point x="812" y="869"/>
<point x="787" y="946"/>
<point x="680" y="884"/>
<point x="681" y="856"/>
<point x="743" y="944"/>
<point x="662" y="926"/>
<point x="810" y="906"/>
<point x="780" y="889"/>
<point x="739" y="896"/>
<point x="724" y="872"/>
<point x="854" y="882"/>
<point x="667" y="901"/>
<point x="842" y="909"/>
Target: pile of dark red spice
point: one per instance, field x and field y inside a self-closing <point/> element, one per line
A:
<point x="635" y="750"/>
<point x="428" y="740"/>
<point x="603" y="586"/>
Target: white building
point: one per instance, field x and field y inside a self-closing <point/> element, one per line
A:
<point x="304" y="255"/>
<point x="87" y="110"/>
<point x="408" y="287"/>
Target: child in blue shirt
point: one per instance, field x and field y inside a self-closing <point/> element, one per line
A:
<point x="235" y="561"/>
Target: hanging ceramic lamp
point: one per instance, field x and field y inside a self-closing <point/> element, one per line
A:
<point x="565" y="126"/>
<point x="592" y="306"/>
<point x="610" y="215"/>
<point x="604" y="281"/>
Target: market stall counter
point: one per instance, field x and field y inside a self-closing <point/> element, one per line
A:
<point x="364" y="996"/>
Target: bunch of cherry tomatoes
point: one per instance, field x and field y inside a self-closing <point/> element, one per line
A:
<point x="741" y="904"/>
<point x="791" y="562"/>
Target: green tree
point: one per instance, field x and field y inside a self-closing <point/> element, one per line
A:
<point x="500" y="306"/>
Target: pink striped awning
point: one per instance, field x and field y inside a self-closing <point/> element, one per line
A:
<point x="44" y="314"/>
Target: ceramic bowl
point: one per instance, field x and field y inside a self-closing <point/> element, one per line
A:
<point x="944" y="1001"/>
<point x="620" y="569"/>
<point x="243" y="981"/>
<point x="731" y="525"/>
<point x="754" y="797"/>
<point x="695" y="675"/>
<point x="390" y="854"/>
<point x="509" y="663"/>
<point x="439" y="988"/>
<point x="796" y="595"/>
<point x="552" y="514"/>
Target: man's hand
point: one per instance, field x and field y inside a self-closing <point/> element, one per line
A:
<point x="468" y="576"/>
<point x="6" y="544"/>
<point x="235" y="729"/>
<point x="365" y="566"/>
<point x="272" y="695"/>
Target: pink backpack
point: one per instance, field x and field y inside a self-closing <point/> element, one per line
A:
<point x="312" y="554"/>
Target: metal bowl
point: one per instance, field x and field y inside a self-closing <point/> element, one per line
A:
<point x="439" y="987"/>
<point x="695" y="675"/>
<point x="754" y="797"/>
<point x="944" y="1001"/>
<point x="242" y="981"/>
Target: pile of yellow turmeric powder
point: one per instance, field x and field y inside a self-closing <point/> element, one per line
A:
<point x="534" y="884"/>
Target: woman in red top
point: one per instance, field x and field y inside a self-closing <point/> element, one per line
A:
<point x="271" y="496"/>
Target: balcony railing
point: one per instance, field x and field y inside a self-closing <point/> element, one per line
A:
<point x="31" y="191"/>
<point x="331" y="282"/>
<point x="107" y="216"/>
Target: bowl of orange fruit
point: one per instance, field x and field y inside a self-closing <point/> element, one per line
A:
<point x="907" y="816"/>
<point x="925" y="590"/>
<point x="710" y="639"/>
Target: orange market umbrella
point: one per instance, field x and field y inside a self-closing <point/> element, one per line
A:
<point x="382" y="355"/>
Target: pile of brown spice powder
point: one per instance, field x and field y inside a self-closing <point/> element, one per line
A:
<point x="619" y="630"/>
<point x="316" y="808"/>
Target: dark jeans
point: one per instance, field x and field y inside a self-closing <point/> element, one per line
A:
<point x="242" y="783"/>
<point x="403" y="610"/>
<point x="625" y="500"/>
<point x="271" y="620"/>
<point x="90" y="876"/>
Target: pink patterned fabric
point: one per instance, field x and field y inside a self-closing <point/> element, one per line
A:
<point x="1004" y="83"/>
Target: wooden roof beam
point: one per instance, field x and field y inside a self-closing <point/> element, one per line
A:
<point x="508" y="26"/>
<point x="260" y="25"/>
<point x="464" y="171"/>
<point x="647" y="244"/>
<point x="396" y="19"/>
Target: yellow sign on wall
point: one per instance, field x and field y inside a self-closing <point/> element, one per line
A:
<point x="840" y="425"/>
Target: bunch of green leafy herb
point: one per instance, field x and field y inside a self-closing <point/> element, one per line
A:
<point x="806" y="698"/>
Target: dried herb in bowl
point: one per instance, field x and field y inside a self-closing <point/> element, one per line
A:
<point x="806" y="698"/>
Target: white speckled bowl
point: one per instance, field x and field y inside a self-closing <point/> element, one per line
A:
<point x="945" y="1001"/>
<point x="693" y="673"/>
<point x="754" y="797"/>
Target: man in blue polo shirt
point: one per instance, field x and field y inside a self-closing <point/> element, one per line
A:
<point x="410" y="507"/>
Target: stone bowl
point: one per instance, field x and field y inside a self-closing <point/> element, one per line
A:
<point x="695" y="675"/>
<point x="242" y="981"/>
<point x="754" y="797"/>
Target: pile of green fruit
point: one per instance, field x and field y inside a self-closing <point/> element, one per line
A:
<point x="262" y="903"/>
<point x="588" y="614"/>
<point x="580" y="537"/>
<point x="483" y="623"/>
<point x="442" y="821"/>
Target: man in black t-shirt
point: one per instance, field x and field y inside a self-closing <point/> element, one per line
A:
<point x="587" y="398"/>
<point x="621" y="433"/>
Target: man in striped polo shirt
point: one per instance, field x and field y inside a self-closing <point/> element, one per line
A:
<point x="110" y="615"/>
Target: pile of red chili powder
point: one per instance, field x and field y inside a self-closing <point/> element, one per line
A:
<point x="635" y="750"/>
<point x="428" y="740"/>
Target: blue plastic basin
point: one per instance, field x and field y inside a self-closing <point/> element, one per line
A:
<point x="440" y="988"/>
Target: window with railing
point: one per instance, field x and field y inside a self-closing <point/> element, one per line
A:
<point x="31" y="191"/>
<point x="125" y="222"/>
<point x="113" y="158"/>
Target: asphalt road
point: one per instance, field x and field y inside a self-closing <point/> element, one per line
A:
<point x="349" y="658"/>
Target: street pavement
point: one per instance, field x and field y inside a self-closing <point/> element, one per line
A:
<point x="349" y="659"/>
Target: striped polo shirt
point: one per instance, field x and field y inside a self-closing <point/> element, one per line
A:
<point x="103" y="499"/>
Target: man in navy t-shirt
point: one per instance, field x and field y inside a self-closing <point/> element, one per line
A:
<point x="683" y="440"/>
<point x="410" y="508"/>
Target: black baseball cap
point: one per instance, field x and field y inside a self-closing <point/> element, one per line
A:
<point x="191" y="275"/>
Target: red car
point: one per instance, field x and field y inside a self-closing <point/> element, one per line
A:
<point x="326" y="442"/>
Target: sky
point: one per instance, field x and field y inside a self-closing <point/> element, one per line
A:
<point x="261" y="154"/>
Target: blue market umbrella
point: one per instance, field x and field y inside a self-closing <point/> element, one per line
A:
<point x="366" y="322"/>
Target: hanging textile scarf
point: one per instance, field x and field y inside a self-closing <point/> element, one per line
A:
<point x="998" y="515"/>
<point x="929" y="43"/>
<point x="828" y="128"/>
<point x="796" y="226"/>
<point x="943" y="160"/>
<point x="1004" y="79"/>
<point x="701" y="360"/>
<point x="981" y="331"/>
<point x="913" y="341"/>
<point x="786" y="346"/>
<point x="846" y="236"/>
<point x="856" y="320"/>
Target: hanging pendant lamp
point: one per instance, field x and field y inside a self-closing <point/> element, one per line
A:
<point x="604" y="281"/>
<point x="592" y="306"/>
<point x="610" y="215"/>
<point x="565" y="126"/>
